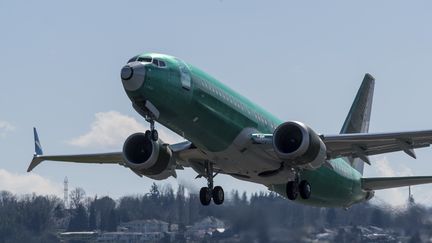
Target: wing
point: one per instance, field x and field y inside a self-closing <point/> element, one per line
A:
<point x="183" y="152"/>
<point x="361" y="145"/>
<point x="101" y="158"/>
<point x="391" y="182"/>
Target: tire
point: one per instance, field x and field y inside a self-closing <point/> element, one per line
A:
<point x="292" y="190"/>
<point x="218" y="195"/>
<point x="205" y="196"/>
<point x="305" y="189"/>
<point x="148" y="134"/>
<point x="154" y="135"/>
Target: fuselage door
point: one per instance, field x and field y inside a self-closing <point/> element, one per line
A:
<point x="185" y="76"/>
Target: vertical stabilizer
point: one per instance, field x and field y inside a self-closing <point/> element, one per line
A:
<point x="358" y="118"/>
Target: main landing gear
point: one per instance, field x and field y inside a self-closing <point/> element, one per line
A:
<point x="209" y="192"/>
<point x="294" y="188"/>
<point x="153" y="133"/>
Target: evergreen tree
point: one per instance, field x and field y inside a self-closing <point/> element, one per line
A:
<point x="377" y="217"/>
<point x="92" y="217"/>
<point x="154" y="191"/>
<point x="244" y="200"/>
<point x="112" y="221"/>
<point x="235" y="197"/>
<point x="79" y="219"/>
<point x="331" y="217"/>
<point x="180" y="200"/>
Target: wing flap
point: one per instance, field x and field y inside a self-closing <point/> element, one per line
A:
<point x="376" y="143"/>
<point x="379" y="183"/>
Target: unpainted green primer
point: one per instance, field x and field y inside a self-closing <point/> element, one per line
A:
<point x="211" y="115"/>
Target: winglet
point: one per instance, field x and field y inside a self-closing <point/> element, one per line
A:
<point x="38" y="146"/>
<point x="38" y="152"/>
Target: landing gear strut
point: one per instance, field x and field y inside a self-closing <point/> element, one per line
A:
<point x="294" y="188"/>
<point x="207" y="193"/>
<point x="153" y="134"/>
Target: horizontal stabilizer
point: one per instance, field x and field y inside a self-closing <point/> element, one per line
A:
<point x="379" y="183"/>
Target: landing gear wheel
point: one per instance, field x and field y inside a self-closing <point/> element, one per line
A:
<point x="154" y="135"/>
<point x="218" y="195"/>
<point x="292" y="190"/>
<point x="205" y="196"/>
<point x="305" y="189"/>
<point x="148" y="134"/>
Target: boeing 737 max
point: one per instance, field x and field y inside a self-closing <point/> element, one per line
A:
<point x="228" y="134"/>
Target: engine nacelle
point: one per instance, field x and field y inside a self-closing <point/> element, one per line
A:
<point x="296" y="143"/>
<point x="147" y="157"/>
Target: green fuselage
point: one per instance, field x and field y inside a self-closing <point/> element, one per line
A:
<point x="210" y="115"/>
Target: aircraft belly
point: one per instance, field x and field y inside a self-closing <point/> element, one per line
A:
<point x="337" y="187"/>
<point x="243" y="161"/>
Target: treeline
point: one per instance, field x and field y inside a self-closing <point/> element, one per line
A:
<point x="34" y="218"/>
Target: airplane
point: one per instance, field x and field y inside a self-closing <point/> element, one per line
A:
<point x="228" y="134"/>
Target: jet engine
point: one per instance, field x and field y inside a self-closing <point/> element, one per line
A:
<point x="299" y="145"/>
<point x="147" y="157"/>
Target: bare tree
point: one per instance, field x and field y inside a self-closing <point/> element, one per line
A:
<point x="77" y="197"/>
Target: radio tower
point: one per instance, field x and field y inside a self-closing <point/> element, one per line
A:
<point x="66" y="192"/>
<point x="410" y="197"/>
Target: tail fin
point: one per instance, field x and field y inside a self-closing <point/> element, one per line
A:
<point x="358" y="118"/>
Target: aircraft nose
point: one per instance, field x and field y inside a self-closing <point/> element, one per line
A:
<point x="132" y="75"/>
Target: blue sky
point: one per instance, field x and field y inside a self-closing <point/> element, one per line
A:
<point x="60" y="64"/>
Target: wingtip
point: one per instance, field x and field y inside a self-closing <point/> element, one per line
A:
<point x="35" y="162"/>
<point x="38" y="152"/>
<point x="369" y="76"/>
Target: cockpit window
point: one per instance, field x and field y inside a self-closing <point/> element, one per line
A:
<point x="133" y="59"/>
<point x="156" y="62"/>
<point x="144" y="59"/>
<point x="162" y="63"/>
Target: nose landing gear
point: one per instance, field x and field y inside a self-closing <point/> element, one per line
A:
<point x="209" y="192"/>
<point x="153" y="133"/>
